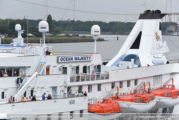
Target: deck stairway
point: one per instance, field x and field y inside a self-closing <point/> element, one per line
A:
<point x="40" y="68"/>
<point x="21" y="91"/>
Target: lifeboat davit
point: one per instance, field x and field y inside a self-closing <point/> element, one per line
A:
<point x="166" y="95"/>
<point x="137" y="102"/>
<point x="106" y="106"/>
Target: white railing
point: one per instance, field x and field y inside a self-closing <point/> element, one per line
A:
<point x="89" y="77"/>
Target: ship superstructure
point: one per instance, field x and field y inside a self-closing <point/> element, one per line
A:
<point x="64" y="75"/>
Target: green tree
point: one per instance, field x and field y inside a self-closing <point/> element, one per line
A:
<point x="49" y="20"/>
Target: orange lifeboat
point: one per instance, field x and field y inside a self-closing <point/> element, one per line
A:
<point x="167" y="95"/>
<point x="137" y="102"/>
<point x="107" y="106"/>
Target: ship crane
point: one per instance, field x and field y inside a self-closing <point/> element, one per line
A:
<point x="167" y="82"/>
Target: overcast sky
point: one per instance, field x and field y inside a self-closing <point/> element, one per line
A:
<point x="16" y="10"/>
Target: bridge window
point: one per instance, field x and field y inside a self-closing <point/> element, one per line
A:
<point x="139" y="100"/>
<point x="135" y="100"/>
<point x="169" y="95"/>
<point x="128" y="83"/>
<point x="165" y="95"/>
<point x="121" y="84"/>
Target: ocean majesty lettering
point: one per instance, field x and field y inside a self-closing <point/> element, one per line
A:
<point x="74" y="59"/>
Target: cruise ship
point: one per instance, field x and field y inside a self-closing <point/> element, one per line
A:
<point x="141" y="60"/>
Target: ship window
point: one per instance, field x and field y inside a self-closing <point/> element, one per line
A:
<point x="25" y="94"/>
<point x="169" y="94"/>
<point x="128" y="83"/>
<point x="104" y="101"/>
<point x="170" y="87"/>
<point x="69" y="90"/>
<point x="99" y="87"/>
<point x="135" y="92"/>
<point x="177" y="93"/>
<point x="141" y="92"/>
<point x="152" y="97"/>
<point x="135" y="82"/>
<point x="139" y="100"/>
<point x="81" y="113"/>
<point x="160" y="26"/>
<point x="112" y="85"/>
<point x="89" y="88"/>
<point x="149" y="99"/>
<point x="2" y="96"/>
<point x="112" y="100"/>
<point x="71" y="115"/>
<point x="164" y="87"/>
<point x="32" y="93"/>
<point x="144" y="92"/>
<point x="80" y="89"/>
<point x="165" y="95"/>
<point x="135" y="100"/>
<point x="173" y="87"/>
<point x="121" y="84"/>
<point x="60" y="116"/>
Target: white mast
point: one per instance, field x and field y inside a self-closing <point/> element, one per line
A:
<point x="95" y="31"/>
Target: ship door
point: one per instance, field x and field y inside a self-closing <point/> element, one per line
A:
<point x="47" y="70"/>
<point x="54" y="93"/>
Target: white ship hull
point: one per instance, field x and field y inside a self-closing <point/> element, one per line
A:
<point x="163" y="102"/>
<point x="129" y="107"/>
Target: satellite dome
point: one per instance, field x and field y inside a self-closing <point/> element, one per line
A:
<point x="95" y="30"/>
<point x="43" y="26"/>
<point x="18" y="27"/>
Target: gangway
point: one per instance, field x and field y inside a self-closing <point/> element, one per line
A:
<point x="23" y="89"/>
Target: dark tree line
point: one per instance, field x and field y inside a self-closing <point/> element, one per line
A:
<point x="8" y="26"/>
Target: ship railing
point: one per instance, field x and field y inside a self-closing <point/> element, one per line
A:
<point x="89" y="77"/>
<point x="92" y="100"/>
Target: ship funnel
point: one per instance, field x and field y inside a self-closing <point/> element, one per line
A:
<point x="144" y="44"/>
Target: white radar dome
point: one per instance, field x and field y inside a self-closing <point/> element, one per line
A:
<point x="95" y="30"/>
<point x="43" y="26"/>
<point x="18" y="27"/>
